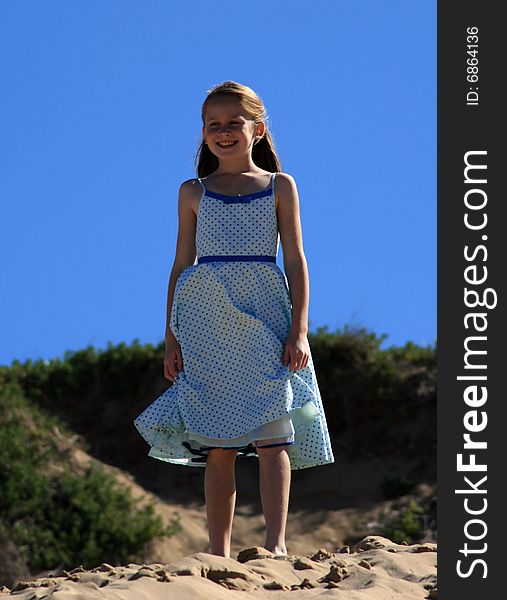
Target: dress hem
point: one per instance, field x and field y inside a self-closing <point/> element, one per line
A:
<point x="179" y="442"/>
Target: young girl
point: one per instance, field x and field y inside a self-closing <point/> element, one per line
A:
<point x="236" y="340"/>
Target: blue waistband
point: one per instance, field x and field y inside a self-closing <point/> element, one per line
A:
<point x="240" y="257"/>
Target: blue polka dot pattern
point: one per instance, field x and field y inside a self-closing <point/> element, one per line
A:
<point x="231" y="319"/>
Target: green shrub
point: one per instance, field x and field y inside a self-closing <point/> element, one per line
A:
<point x="85" y="521"/>
<point x="407" y="526"/>
<point x="58" y="517"/>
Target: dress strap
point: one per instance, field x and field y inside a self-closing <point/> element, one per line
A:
<point x="202" y="184"/>
<point x="273" y="187"/>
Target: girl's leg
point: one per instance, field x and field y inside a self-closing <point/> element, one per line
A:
<point x="220" y="495"/>
<point x="274" y="479"/>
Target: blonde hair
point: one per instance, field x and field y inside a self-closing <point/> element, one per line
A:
<point x="263" y="152"/>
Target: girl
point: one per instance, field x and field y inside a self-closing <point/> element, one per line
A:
<point x="236" y="339"/>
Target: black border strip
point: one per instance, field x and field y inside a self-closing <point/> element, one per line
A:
<point x="469" y="131"/>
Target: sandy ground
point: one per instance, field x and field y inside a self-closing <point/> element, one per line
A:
<point x="375" y="568"/>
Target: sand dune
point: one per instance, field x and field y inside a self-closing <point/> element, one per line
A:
<point x="375" y="568"/>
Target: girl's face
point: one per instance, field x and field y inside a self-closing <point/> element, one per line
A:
<point x="228" y="129"/>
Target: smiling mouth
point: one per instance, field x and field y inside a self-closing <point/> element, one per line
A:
<point x="226" y="144"/>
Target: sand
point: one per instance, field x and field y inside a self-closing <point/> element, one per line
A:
<point x="375" y="568"/>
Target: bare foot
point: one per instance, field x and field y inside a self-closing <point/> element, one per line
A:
<point x="277" y="550"/>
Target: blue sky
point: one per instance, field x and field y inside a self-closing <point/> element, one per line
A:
<point x="100" y="123"/>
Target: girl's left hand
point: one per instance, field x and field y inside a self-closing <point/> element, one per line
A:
<point x="297" y="351"/>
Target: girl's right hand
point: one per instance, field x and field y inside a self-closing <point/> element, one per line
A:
<point x="173" y="360"/>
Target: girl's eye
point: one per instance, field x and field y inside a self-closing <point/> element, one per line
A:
<point x="231" y="122"/>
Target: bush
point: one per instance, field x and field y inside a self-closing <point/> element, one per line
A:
<point x="407" y="526"/>
<point x="63" y="517"/>
<point x="85" y="521"/>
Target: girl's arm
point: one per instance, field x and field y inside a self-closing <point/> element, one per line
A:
<point x="294" y="260"/>
<point x="185" y="244"/>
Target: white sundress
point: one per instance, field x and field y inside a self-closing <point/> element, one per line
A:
<point x="231" y="315"/>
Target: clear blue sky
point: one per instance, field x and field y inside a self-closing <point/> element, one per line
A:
<point x="100" y="123"/>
